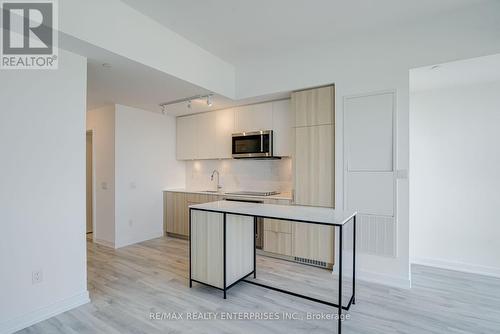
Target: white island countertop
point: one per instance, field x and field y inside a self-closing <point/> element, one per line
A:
<point x="307" y="214"/>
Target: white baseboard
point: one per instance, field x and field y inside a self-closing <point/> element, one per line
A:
<point x="104" y="243"/>
<point x="31" y="318"/>
<point x="137" y="240"/>
<point x="383" y="279"/>
<point x="458" y="266"/>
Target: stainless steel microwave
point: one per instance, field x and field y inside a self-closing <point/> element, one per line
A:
<point x="256" y="144"/>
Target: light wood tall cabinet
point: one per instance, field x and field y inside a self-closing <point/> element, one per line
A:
<point x="314" y="106"/>
<point x="314" y="165"/>
<point x="314" y="169"/>
<point x="314" y="243"/>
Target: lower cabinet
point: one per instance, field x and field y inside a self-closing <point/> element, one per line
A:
<point x="278" y="243"/>
<point x="176" y="211"/>
<point x="278" y="233"/>
<point x="312" y="244"/>
<point x="207" y="248"/>
<point x="175" y="214"/>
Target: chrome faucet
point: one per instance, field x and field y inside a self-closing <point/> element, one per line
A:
<point x="219" y="187"/>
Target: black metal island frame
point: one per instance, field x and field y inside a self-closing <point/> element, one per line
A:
<point x="222" y="250"/>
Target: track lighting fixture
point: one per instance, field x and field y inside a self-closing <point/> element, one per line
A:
<point x="208" y="98"/>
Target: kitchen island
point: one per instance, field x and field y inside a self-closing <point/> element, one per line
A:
<point x="222" y="243"/>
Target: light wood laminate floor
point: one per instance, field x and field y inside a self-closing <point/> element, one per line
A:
<point x="127" y="284"/>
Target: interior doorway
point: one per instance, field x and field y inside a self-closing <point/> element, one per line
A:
<point x="454" y="163"/>
<point x="89" y="183"/>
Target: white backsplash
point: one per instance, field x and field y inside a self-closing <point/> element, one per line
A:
<point x="237" y="175"/>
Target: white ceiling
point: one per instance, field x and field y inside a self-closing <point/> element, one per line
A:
<point x="237" y="31"/>
<point x="462" y="72"/>
<point x="126" y="82"/>
<point x="136" y="85"/>
<point x="133" y="84"/>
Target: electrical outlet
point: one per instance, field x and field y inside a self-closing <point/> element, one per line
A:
<point x="37" y="276"/>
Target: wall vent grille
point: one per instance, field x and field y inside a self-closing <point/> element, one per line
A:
<point x="376" y="235"/>
<point x="311" y="262"/>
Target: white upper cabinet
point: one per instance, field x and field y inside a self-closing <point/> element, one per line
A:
<point x="283" y="123"/>
<point x="253" y="117"/>
<point x="186" y="137"/>
<point x="206" y="136"/>
<point x="224" y="130"/>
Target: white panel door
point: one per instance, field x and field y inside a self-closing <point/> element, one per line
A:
<point x="369" y="164"/>
<point x="369" y="132"/>
<point x="371" y="193"/>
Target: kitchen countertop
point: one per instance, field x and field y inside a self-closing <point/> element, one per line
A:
<point x="286" y="195"/>
<point x="309" y="214"/>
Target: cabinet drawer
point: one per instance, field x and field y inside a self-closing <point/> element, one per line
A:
<point x="279" y="226"/>
<point x="278" y="243"/>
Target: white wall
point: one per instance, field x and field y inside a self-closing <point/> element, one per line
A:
<point x="42" y="193"/>
<point x="102" y="123"/>
<point x="134" y="156"/>
<point x="252" y="175"/>
<point x="145" y="165"/>
<point x="455" y="188"/>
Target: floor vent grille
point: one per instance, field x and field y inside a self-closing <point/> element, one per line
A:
<point x="316" y="263"/>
